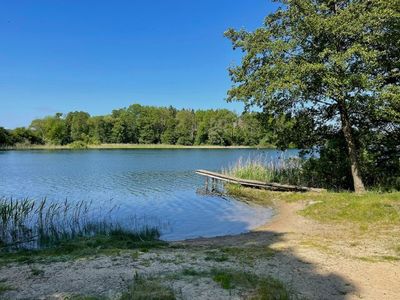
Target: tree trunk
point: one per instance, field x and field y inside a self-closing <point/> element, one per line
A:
<point x="351" y="147"/>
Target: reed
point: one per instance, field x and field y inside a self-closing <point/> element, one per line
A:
<point x="27" y="224"/>
<point x="285" y="171"/>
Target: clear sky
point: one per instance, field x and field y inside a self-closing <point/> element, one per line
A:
<point x="61" y="56"/>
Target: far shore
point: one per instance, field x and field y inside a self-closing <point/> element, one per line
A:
<point x="129" y="146"/>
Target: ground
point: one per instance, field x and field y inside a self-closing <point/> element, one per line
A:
<point x="313" y="260"/>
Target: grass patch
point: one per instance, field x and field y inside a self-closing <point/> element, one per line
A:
<point x="396" y="249"/>
<point x="148" y="289"/>
<point x="259" y="288"/>
<point x="380" y="258"/>
<point x="5" y="287"/>
<point x="191" y="272"/>
<point x="271" y="289"/>
<point x="101" y="244"/>
<point x="249" y="195"/>
<point x="318" y="245"/>
<point x="36" y="271"/>
<point x="228" y="279"/>
<point x="364" y="209"/>
<point x="216" y="256"/>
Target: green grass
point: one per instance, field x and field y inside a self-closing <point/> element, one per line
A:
<point x="36" y="271"/>
<point x="216" y="256"/>
<point x="371" y="208"/>
<point x="100" y="244"/>
<point x="249" y="253"/>
<point x="147" y="288"/>
<point x="191" y="272"/>
<point x="229" y="279"/>
<point x="364" y="209"/>
<point x="249" y="194"/>
<point x="5" y="287"/>
<point x="259" y="288"/>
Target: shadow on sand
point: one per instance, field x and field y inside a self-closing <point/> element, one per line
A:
<point x="299" y="274"/>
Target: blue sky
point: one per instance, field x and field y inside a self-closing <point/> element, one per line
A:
<point x="60" y="56"/>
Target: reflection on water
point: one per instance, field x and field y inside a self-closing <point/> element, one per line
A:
<point x="156" y="184"/>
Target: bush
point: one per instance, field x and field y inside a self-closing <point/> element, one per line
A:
<point x="78" y="145"/>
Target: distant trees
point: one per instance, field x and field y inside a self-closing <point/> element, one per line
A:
<point x="51" y="129"/>
<point x="19" y="135"/>
<point x="146" y="125"/>
<point x="5" y="137"/>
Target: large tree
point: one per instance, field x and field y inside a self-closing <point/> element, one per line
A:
<point x="333" y="63"/>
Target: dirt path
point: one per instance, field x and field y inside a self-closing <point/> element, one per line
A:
<point x="340" y="256"/>
<point x="305" y="255"/>
<point x="336" y="257"/>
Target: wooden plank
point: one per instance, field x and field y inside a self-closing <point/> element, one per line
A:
<point x="256" y="183"/>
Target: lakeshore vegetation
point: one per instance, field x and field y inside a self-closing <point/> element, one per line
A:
<point x="147" y="125"/>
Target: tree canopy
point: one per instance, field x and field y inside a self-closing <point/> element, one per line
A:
<point x="331" y="65"/>
<point x="145" y="125"/>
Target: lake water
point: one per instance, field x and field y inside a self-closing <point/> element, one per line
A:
<point x="157" y="185"/>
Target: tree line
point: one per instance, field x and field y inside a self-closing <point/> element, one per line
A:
<point x="139" y="124"/>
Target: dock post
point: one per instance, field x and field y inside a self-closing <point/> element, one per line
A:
<point x="206" y="184"/>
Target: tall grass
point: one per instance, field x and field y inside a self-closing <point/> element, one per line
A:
<point x="27" y="224"/>
<point x="285" y="171"/>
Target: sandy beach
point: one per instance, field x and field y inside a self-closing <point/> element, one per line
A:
<point x="305" y="255"/>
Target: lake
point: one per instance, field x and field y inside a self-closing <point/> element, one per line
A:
<point x="153" y="185"/>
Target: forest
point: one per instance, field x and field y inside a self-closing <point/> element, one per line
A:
<point x="139" y="124"/>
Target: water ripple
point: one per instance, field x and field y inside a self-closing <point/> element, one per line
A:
<point x="158" y="184"/>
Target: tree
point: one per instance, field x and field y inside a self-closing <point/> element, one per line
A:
<point x="148" y="124"/>
<point x="5" y="137"/>
<point x="185" y="127"/>
<point x="335" y="63"/>
<point x="26" y="136"/>
<point x="77" y="123"/>
<point x="52" y="129"/>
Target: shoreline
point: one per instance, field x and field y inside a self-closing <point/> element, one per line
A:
<point x="130" y="146"/>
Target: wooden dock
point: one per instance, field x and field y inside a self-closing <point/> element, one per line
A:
<point x="254" y="183"/>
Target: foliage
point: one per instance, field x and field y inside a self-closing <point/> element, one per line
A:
<point x="327" y="67"/>
<point x="330" y="170"/>
<point x="5" y="137"/>
<point x="78" y="145"/>
<point x="380" y="165"/>
<point x="144" y="125"/>
<point x="19" y="135"/>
